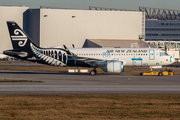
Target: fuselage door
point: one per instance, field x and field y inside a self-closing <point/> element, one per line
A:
<point x="151" y="54"/>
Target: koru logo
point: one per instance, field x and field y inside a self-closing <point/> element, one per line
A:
<point x="21" y="38"/>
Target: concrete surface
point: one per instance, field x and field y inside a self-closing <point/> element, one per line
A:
<point x="69" y="83"/>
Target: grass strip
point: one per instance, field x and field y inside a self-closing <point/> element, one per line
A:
<point x="90" y="107"/>
<point x="8" y="80"/>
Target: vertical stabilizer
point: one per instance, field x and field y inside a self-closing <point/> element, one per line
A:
<point x="20" y="40"/>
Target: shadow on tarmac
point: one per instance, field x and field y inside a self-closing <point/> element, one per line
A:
<point x="55" y="73"/>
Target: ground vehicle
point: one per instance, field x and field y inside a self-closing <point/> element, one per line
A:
<point x="167" y="71"/>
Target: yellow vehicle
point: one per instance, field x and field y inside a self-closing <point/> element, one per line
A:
<point x="167" y="71"/>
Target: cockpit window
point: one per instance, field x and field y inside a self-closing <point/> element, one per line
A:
<point x="163" y="54"/>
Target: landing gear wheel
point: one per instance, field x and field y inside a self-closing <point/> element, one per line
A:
<point x="160" y="74"/>
<point x="93" y="72"/>
<point x="141" y="74"/>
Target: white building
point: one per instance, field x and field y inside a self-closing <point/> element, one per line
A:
<point x="64" y="26"/>
<point x="9" y="13"/>
<point x="83" y="28"/>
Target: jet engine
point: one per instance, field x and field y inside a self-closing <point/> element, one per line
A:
<point x="113" y="67"/>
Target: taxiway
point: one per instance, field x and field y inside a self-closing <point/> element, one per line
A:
<point x="68" y="83"/>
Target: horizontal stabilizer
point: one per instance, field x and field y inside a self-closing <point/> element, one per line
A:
<point x="13" y="53"/>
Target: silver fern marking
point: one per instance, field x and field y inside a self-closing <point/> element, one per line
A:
<point x="49" y="60"/>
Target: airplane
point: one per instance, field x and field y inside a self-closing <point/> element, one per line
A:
<point x="110" y="60"/>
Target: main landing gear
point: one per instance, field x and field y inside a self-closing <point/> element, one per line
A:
<point x="93" y="72"/>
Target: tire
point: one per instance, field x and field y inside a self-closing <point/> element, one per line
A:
<point x="141" y="74"/>
<point x="92" y="73"/>
<point x="160" y="74"/>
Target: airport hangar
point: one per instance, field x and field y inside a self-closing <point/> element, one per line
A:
<point x="49" y="27"/>
<point x="162" y="28"/>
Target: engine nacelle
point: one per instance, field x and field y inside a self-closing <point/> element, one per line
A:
<point x="114" y="67"/>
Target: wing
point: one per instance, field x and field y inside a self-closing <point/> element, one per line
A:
<point x="91" y="61"/>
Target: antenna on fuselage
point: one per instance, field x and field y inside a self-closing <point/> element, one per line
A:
<point x="73" y="46"/>
<point x="165" y="48"/>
